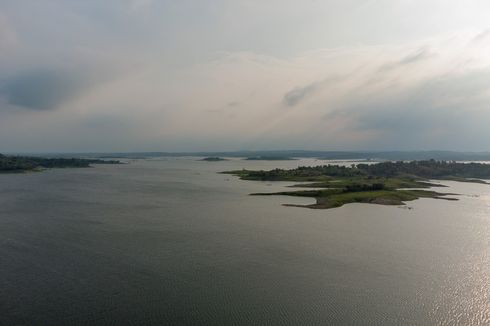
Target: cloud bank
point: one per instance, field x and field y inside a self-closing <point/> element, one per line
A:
<point x="170" y="86"/>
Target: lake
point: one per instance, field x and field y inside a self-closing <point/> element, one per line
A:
<point x="171" y="241"/>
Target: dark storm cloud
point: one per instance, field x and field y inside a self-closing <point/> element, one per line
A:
<point x="42" y="89"/>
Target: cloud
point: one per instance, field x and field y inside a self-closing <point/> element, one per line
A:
<point x="417" y="56"/>
<point x="442" y="101"/>
<point x="165" y="75"/>
<point x="42" y="89"/>
<point x="413" y="58"/>
<point x="298" y="94"/>
<point x="481" y="37"/>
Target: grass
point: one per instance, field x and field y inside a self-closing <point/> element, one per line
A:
<point x="337" y="197"/>
<point x="383" y="197"/>
<point x="389" y="183"/>
<point x="337" y="191"/>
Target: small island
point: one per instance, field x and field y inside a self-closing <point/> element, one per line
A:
<point x="213" y="159"/>
<point x="387" y="183"/>
<point x="14" y="163"/>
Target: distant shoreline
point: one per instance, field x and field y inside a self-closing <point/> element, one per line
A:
<point x="24" y="164"/>
<point x="313" y="154"/>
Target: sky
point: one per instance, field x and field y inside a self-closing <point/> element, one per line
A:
<point x="218" y="75"/>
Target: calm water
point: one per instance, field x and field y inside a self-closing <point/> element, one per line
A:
<point x="173" y="242"/>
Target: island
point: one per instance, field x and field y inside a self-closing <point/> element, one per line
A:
<point x="213" y="159"/>
<point x="14" y="163"/>
<point x="386" y="183"/>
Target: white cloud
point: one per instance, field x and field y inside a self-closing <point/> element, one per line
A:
<point x="163" y="75"/>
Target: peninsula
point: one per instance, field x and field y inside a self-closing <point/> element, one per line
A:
<point x="14" y="163"/>
<point x="387" y="183"/>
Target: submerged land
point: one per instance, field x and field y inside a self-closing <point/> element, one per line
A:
<point x="387" y="183"/>
<point x="269" y="158"/>
<point x="14" y="163"/>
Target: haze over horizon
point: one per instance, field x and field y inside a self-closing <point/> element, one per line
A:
<point x="143" y="75"/>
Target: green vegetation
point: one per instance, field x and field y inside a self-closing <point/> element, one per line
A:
<point x="388" y="183"/>
<point x="31" y="163"/>
<point x="214" y="159"/>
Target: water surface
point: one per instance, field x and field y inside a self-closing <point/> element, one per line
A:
<point x="170" y="241"/>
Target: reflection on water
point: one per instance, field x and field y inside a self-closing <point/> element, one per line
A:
<point x="172" y="241"/>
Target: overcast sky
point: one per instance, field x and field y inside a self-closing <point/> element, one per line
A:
<point x="198" y="75"/>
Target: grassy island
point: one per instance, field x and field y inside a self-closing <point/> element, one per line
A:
<point x="13" y="163"/>
<point x="387" y="183"/>
<point x="213" y="159"/>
